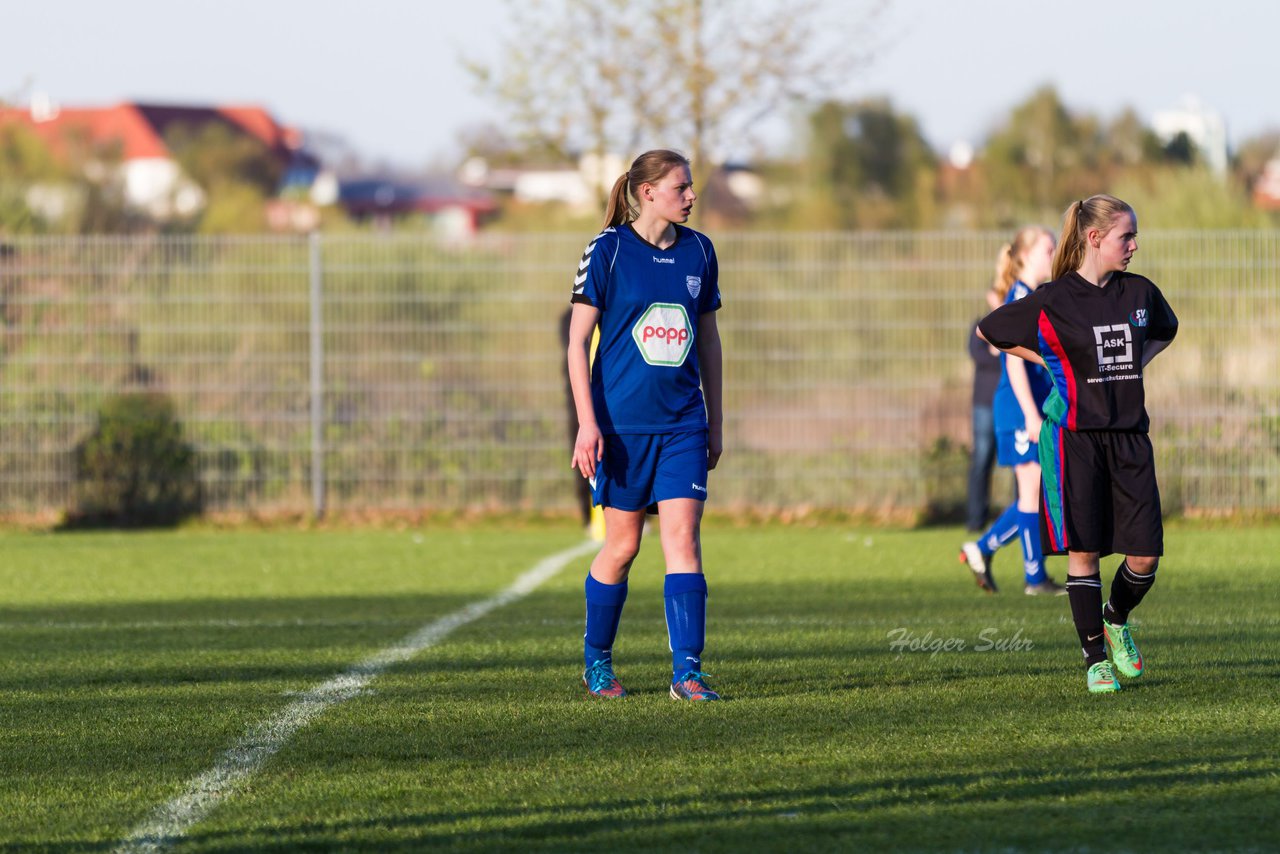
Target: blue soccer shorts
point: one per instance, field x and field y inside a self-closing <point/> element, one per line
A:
<point x="1014" y="447"/>
<point x="641" y="469"/>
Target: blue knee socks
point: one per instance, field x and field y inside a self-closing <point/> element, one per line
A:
<point x="1001" y="532"/>
<point x="1032" y="554"/>
<point x="604" y="610"/>
<point x="686" y="605"/>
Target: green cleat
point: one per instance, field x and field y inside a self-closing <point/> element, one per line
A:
<point x="1102" y="678"/>
<point x="1124" y="652"/>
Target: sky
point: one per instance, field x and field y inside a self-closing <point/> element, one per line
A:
<point x="386" y="75"/>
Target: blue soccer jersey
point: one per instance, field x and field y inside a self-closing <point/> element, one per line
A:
<point x="645" y="377"/>
<point x="1005" y="407"/>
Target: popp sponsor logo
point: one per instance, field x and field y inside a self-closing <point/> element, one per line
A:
<point x="663" y="334"/>
<point x="667" y="333"/>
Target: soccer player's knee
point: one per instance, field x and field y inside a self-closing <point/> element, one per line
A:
<point x="1142" y="565"/>
<point x="624" y="551"/>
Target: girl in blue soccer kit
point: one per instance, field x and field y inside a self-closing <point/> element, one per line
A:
<point x="649" y="411"/>
<point x="1024" y="263"/>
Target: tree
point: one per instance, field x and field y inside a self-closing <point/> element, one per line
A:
<point x="71" y="187"/>
<point x="596" y="76"/>
<point x="1252" y="156"/>
<point x="237" y="173"/>
<point x="24" y="162"/>
<point x="867" y="166"/>
<point x="1127" y="142"/>
<point x="1042" y="155"/>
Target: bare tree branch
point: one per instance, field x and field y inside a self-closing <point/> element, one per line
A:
<point x="607" y="76"/>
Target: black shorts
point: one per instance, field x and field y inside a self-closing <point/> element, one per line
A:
<point x="1100" y="493"/>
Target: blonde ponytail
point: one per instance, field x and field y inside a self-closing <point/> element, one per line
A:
<point x="1011" y="259"/>
<point x="1004" y="272"/>
<point x="619" y="209"/>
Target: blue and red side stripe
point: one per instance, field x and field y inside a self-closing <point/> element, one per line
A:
<point x="1055" y="359"/>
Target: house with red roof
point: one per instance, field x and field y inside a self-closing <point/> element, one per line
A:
<point x="151" y="180"/>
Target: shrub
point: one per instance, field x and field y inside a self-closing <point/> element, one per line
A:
<point x="135" y="469"/>
<point x="945" y="468"/>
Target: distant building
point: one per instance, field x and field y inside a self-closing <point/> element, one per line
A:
<point x="1202" y="125"/>
<point x="1266" y="189"/>
<point x="452" y="209"/>
<point x="579" y="188"/>
<point x="727" y="195"/>
<point x="151" y="180"/>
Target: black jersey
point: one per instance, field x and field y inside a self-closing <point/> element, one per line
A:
<point x="1092" y="340"/>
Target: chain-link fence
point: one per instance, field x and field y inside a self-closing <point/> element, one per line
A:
<point x="397" y="371"/>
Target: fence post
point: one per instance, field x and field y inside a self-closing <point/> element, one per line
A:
<point x="317" y="381"/>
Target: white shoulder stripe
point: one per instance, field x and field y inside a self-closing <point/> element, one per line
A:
<point x="698" y="237"/>
<point x="616" y="247"/>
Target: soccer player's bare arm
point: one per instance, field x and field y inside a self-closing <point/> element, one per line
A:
<point x="1016" y="368"/>
<point x="588" y="448"/>
<point x="1026" y="354"/>
<point x="709" y="365"/>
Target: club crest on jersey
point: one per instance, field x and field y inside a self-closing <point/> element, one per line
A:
<point x="663" y="334"/>
<point x="1139" y="317"/>
<point x="694" y="284"/>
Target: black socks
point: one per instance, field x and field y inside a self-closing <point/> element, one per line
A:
<point x="1085" y="594"/>
<point x="1127" y="590"/>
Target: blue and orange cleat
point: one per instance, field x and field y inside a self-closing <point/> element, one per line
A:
<point x="692" y="686"/>
<point x="601" y="681"/>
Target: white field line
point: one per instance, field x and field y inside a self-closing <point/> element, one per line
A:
<point x="169" y="823"/>
<point x="186" y="625"/>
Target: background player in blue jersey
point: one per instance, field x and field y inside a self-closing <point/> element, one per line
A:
<point x="649" y="412"/>
<point x="1024" y="263"/>
<point x="1096" y="326"/>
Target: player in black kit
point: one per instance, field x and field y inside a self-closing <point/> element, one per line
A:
<point x="1095" y="327"/>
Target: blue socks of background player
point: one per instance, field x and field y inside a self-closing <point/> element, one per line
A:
<point x="1032" y="555"/>
<point x="604" y="610"/>
<point x="686" y="601"/>
<point x="1026" y="527"/>
<point x="1002" y="531"/>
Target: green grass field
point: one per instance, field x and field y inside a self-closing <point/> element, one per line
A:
<point x="130" y="663"/>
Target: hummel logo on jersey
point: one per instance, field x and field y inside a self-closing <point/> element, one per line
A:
<point x="698" y="488"/>
<point x="694" y="284"/>
<point x="658" y="260"/>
